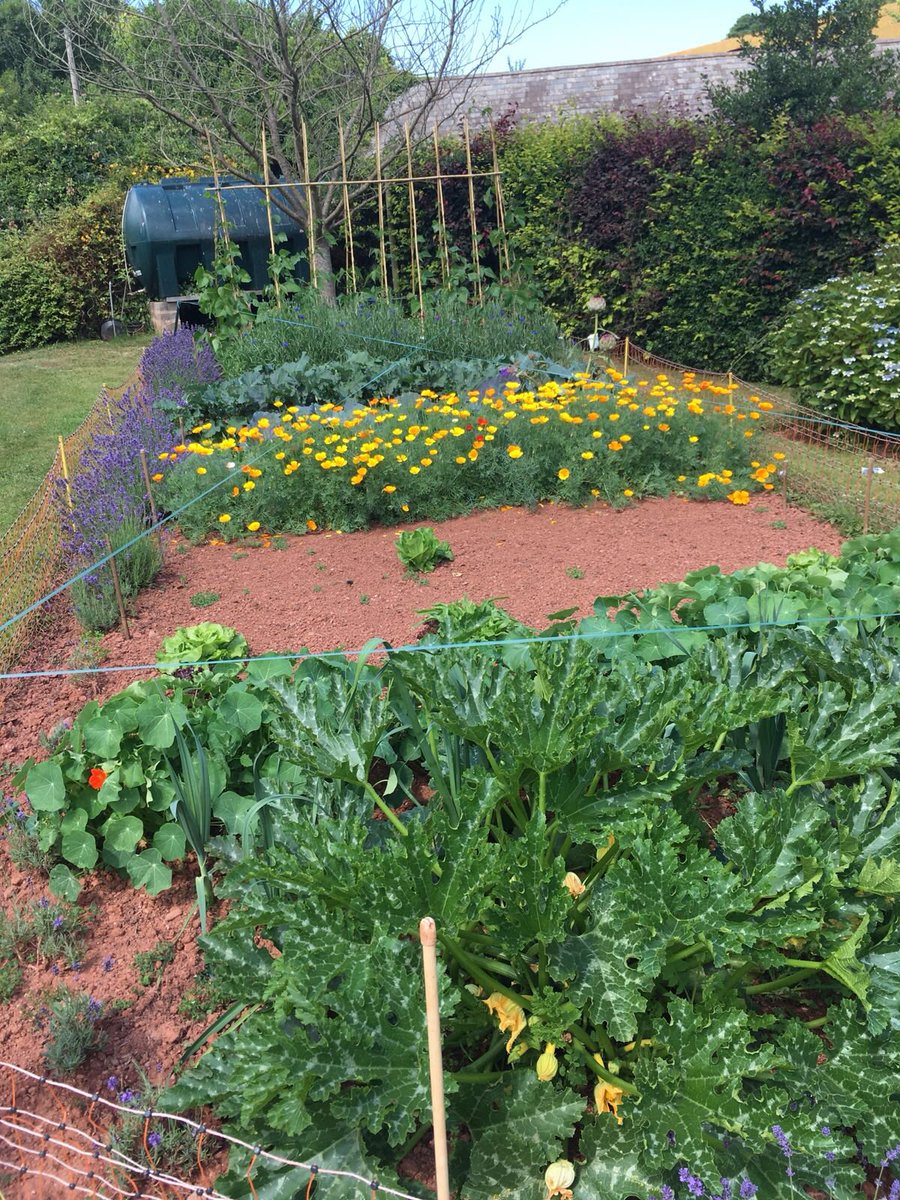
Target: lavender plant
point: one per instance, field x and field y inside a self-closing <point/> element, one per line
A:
<point x="108" y="499"/>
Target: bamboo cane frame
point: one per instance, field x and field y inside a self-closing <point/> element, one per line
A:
<point x="500" y="207"/>
<point x="473" y="224"/>
<point x="311" y="213"/>
<point x="428" y="940"/>
<point x="265" y="158"/>
<point x="117" y="588"/>
<point x="348" y="219"/>
<point x="65" y="471"/>
<point x="414" y="261"/>
<point x="379" y="188"/>
<point x="443" y="246"/>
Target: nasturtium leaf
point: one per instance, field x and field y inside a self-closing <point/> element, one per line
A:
<point x="103" y="736"/>
<point x="80" y="849"/>
<point x="45" y="788"/>
<point x="148" y="871"/>
<point x="169" y="841"/>
<point x="240" y="708"/>
<point x="122" y="833"/>
<point x="63" y="883"/>
<point x="74" y="820"/>
<point x="158" y="719"/>
<point x="259" y="670"/>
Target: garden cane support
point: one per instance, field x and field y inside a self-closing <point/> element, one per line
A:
<point x="870" y="475"/>
<point x="117" y="588"/>
<point x="154" y="515"/>
<point x="428" y="938"/>
<point x="627" y="352"/>
<point x="65" y="470"/>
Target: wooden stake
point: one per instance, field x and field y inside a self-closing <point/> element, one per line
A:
<point x="348" y="220"/>
<point x="428" y="938"/>
<point x="265" y="158"/>
<point x="109" y="415"/>
<point x="870" y="475"/>
<point x="443" y="245"/>
<point x="414" y="263"/>
<point x="118" y="589"/>
<point x="65" y="471"/>
<point x="473" y="223"/>
<point x="145" y="471"/>
<point x="730" y="380"/>
<point x="380" y="191"/>
<point x="627" y="353"/>
<point x="311" y="214"/>
<point x="217" y="189"/>
<point x="501" y="210"/>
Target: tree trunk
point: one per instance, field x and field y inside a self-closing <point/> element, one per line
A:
<point x="324" y="269"/>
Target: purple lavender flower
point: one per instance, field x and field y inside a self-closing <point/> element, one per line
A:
<point x="747" y="1190"/>
<point x="891" y="1156"/>
<point x="58" y="922"/>
<point x="94" y="1010"/>
<point x="782" y="1139"/>
<point x="112" y="1083"/>
<point x="43" y="902"/>
<point x="153" y="1139"/>
<point x="108" y="963"/>
<point x="667" y="1193"/>
<point x="894" y="1193"/>
<point x="694" y="1185"/>
<point x="127" y="1096"/>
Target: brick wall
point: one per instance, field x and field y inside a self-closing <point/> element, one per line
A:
<point x="644" y="85"/>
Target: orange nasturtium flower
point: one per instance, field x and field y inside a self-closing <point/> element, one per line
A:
<point x="311" y="526"/>
<point x="96" y="778"/>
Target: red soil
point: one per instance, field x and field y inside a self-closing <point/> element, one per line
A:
<point x="322" y="591"/>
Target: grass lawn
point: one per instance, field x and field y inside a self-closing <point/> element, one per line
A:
<point x="45" y="393"/>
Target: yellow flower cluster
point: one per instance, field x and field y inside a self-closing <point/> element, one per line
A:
<point x="397" y="442"/>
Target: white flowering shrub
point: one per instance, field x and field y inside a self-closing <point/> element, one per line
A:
<point x="840" y="345"/>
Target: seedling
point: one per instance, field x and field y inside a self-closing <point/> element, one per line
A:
<point x="575" y="572"/>
<point x="204" y="599"/>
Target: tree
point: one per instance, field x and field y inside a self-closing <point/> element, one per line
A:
<point x="303" y="70"/>
<point x="749" y="23"/>
<point x="813" y="57"/>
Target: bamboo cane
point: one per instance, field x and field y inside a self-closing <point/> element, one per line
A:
<point x="428" y="938"/>
<point x="473" y="223"/>
<point x="627" y="353"/>
<point x="348" y="220"/>
<point x="414" y="261"/>
<point x="501" y="209"/>
<point x="311" y="213"/>
<point x="265" y="158"/>
<point x="65" y="471"/>
<point x="380" y="191"/>
<point x="867" y="506"/>
<point x="154" y="515"/>
<point x="443" y="246"/>
<point x="117" y="588"/>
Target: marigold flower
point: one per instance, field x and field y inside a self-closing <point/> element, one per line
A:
<point x="96" y="778"/>
<point x="739" y="497"/>
<point x="587" y="455"/>
<point x="224" y="518"/>
<point x="414" y="470"/>
<point x="311" y="526"/>
<point x="693" y="439"/>
<point x="779" y="456"/>
<point x="201" y="470"/>
<point x="253" y="526"/>
<point x="663" y="427"/>
<point x="628" y="492"/>
<point x="473" y="454"/>
<point x="510" y="1015"/>
<point x="563" y="473"/>
<point x="461" y="459"/>
<point x="157" y="477"/>
<point x="514" y="451"/>
<point x="614" y="446"/>
<point x="559" y="1178"/>
<point x="389" y="488"/>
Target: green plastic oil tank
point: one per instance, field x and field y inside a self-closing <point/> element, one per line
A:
<point x="168" y="231"/>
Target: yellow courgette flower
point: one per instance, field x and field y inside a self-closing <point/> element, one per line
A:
<point x="510" y="1016"/>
